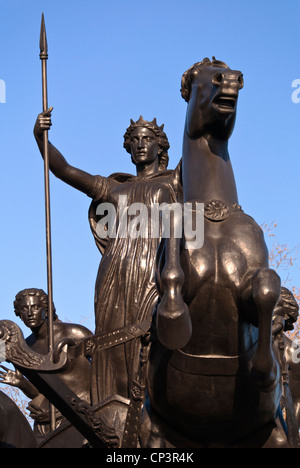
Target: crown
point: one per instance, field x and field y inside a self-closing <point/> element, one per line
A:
<point x="142" y="123"/>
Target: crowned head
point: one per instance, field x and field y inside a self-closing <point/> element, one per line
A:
<point x="159" y="134"/>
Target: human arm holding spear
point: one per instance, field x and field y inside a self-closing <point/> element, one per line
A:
<point x="58" y="165"/>
<point x="54" y="161"/>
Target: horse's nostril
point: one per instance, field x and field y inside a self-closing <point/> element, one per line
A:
<point x="241" y="81"/>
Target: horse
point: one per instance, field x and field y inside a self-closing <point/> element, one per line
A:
<point x="213" y="377"/>
<point x="15" y="430"/>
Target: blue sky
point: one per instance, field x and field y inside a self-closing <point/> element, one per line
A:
<point x="112" y="61"/>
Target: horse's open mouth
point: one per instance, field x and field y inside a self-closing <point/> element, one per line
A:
<point x="224" y="103"/>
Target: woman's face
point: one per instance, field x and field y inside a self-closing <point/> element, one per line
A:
<point x="32" y="312"/>
<point x="144" y="146"/>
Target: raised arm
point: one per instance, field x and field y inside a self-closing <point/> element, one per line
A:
<point x="57" y="163"/>
<point x="16" y="379"/>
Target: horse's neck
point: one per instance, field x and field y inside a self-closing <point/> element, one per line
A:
<point x="206" y="171"/>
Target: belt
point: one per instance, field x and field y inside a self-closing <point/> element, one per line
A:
<point x="210" y="365"/>
<point x="100" y="341"/>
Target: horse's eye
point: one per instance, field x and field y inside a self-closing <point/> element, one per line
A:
<point x="217" y="79"/>
<point x="241" y="81"/>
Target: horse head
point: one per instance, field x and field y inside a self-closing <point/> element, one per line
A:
<point x="211" y="90"/>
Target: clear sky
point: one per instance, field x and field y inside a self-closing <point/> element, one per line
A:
<point x="112" y="61"/>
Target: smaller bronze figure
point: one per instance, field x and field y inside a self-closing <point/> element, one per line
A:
<point x="286" y="314"/>
<point x="31" y="305"/>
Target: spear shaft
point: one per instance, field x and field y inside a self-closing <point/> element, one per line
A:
<point x="44" y="58"/>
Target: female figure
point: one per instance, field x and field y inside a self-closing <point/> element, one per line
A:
<point x="31" y="305"/>
<point x="125" y="291"/>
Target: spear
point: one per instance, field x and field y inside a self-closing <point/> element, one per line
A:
<point x="44" y="58"/>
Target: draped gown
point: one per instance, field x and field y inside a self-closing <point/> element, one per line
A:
<point x="125" y="290"/>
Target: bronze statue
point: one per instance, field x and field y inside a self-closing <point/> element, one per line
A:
<point x="125" y="291"/>
<point x="215" y="362"/>
<point x="31" y="305"/>
<point x="287" y="352"/>
<point x="222" y="387"/>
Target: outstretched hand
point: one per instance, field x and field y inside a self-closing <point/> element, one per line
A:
<point x="43" y="122"/>
<point x="10" y="377"/>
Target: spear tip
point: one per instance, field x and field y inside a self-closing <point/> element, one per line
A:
<point x="43" y="39"/>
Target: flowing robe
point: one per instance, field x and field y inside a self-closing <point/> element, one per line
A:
<point x="125" y="290"/>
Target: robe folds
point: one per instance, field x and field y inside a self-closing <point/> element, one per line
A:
<point x="125" y="290"/>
